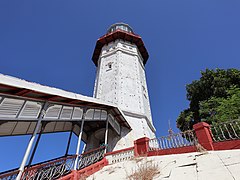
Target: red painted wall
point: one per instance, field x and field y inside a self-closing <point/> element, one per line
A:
<point x="227" y="145"/>
<point x="75" y="175"/>
<point x="180" y="150"/>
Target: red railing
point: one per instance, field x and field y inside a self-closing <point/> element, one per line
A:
<point x="9" y="175"/>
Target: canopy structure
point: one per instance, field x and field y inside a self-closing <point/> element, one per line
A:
<point x="22" y="102"/>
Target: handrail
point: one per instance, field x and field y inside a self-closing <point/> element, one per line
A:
<point x="9" y="175"/>
<point x="228" y="130"/>
<point x="186" y="138"/>
<point x="16" y="169"/>
<point x="90" y="157"/>
<point x="57" y="167"/>
<point x="50" y="162"/>
<point x="92" y="150"/>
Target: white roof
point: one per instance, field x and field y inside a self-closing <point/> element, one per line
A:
<point x="18" y="88"/>
<point x="23" y="84"/>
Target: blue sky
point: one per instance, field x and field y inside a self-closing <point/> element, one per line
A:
<point x="51" y="43"/>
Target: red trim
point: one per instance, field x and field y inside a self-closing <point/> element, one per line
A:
<point x="6" y="175"/>
<point x="204" y="135"/>
<point x="22" y="92"/>
<point x="75" y="175"/>
<point x="227" y="145"/>
<point x="49" y="163"/>
<point x="119" y="34"/>
<point x="141" y="146"/>
<point x="180" y="150"/>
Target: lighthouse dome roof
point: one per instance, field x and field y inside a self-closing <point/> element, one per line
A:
<point x="122" y="26"/>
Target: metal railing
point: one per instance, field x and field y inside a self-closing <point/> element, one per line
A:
<point x="44" y="170"/>
<point x="9" y="175"/>
<point x="50" y="170"/>
<point x="187" y="138"/>
<point x="229" y="130"/>
<point x="90" y="157"/>
<point x="55" y="168"/>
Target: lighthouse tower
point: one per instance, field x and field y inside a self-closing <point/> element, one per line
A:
<point x="120" y="57"/>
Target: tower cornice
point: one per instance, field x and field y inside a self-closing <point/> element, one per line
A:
<point x="119" y="34"/>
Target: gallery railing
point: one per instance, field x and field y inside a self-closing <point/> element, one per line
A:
<point x="9" y="175"/>
<point x="229" y="130"/>
<point x="187" y="138"/>
<point x="90" y="157"/>
<point x="56" y="168"/>
<point x="49" y="170"/>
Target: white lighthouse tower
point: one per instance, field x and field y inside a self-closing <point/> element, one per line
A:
<point x="120" y="57"/>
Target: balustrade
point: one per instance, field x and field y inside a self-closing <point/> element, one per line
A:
<point x="187" y="138"/>
<point x="229" y="130"/>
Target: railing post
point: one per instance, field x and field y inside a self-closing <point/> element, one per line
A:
<point x="106" y="136"/>
<point x="36" y="144"/>
<point x="69" y="140"/>
<point x="141" y="146"/>
<point x="204" y="135"/>
<point x="79" y="140"/>
<point x="31" y="141"/>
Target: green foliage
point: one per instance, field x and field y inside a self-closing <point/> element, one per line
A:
<point x="214" y="97"/>
<point x="221" y="109"/>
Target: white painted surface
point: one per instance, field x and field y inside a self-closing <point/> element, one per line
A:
<point x="121" y="80"/>
<point x="121" y="156"/>
<point x="214" y="165"/>
<point x="20" y="83"/>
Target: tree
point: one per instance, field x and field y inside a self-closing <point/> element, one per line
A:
<point x="218" y="109"/>
<point x="209" y="96"/>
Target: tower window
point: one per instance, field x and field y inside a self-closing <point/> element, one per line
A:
<point x="109" y="65"/>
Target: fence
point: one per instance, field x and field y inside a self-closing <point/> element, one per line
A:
<point x="121" y="155"/>
<point x="56" y="168"/>
<point x="187" y="138"/>
<point x="9" y="175"/>
<point x="90" y="157"/>
<point x="50" y="170"/>
<point x="226" y="131"/>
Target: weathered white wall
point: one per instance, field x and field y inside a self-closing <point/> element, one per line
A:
<point x="214" y="165"/>
<point x="121" y="80"/>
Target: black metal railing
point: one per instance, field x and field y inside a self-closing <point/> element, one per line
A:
<point x="55" y="168"/>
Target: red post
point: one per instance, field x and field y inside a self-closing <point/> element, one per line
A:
<point x="141" y="146"/>
<point x="75" y="175"/>
<point x="203" y="134"/>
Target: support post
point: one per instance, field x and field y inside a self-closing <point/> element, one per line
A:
<point x="106" y="136"/>
<point x="69" y="140"/>
<point x="79" y="140"/>
<point x="141" y="146"/>
<point x="36" y="144"/>
<point x="31" y="141"/>
<point x="203" y="134"/>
